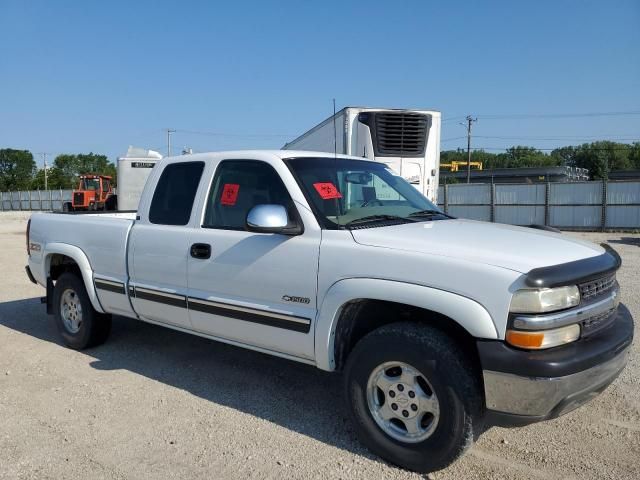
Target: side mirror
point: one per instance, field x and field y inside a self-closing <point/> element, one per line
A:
<point x="271" y="219"/>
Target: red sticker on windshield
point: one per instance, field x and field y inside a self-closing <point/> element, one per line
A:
<point x="229" y="194"/>
<point x="327" y="190"/>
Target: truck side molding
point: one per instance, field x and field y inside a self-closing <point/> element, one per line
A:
<point x="83" y="264"/>
<point x="469" y="314"/>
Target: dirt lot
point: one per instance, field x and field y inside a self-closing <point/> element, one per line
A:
<point x="154" y="403"/>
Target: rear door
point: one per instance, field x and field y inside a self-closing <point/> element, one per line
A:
<point x="254" y="288"/>
<point x="159" y="246"/>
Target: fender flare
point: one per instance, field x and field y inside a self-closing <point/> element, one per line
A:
<point x="469" y="314"/>
<point x="83" y="264"/>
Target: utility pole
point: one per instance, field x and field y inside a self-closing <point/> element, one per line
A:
<point x="46" y="185"/>
<point x="169" y="132"/>
<point x="44" y="159"/>
<point x="470" y="120"/>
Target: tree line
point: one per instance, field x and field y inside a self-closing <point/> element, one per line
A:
<point x="599" y="158"/>
<point x="18" y="170"/>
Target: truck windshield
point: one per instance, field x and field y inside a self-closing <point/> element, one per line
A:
<point x="351" y="193"/>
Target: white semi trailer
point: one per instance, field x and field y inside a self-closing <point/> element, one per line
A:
<point x="408" y="141"/>
<point x="133" y="170"/>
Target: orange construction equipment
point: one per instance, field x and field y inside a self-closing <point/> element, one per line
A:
<point x="455" y="165"/>
<point x="94" y="192"/>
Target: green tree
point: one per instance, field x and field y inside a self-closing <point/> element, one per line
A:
<point x="634" y="155"/>
<point x="602" y="157"/>
<point x="520" y="156"/>
<point x="16" y="169"/>
<point x="565" y="156"/>
<point x="55" y="179"/>
<point x="71" y="166"/>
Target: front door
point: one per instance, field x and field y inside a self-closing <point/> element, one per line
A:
<point x="253" y="288"/>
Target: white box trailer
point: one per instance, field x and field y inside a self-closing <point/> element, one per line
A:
<point x="133" y="170"/>
<point x="408" y="141"/>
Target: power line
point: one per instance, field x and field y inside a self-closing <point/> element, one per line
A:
<point x="240" y="135"/>
<point x="453" y="119"/>
<point x="566" y="137"/>
<point x="598" y="149"/>
<point x="545" y="115"/>
<point x="559" y="115"/>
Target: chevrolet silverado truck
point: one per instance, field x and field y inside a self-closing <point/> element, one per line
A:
<point x="440" y="326"/>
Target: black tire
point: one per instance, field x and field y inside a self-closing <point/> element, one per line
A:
<point x="452" y="378"/>
<point x="66" y="207"/>
<point x="94" y="327"/>
<point x="112" y="203"/>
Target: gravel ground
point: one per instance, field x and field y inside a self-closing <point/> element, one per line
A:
<point x="154" y="403"/>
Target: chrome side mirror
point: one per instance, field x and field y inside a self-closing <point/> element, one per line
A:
<point x="271" y="219"/>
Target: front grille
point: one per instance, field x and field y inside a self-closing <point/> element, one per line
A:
<point x="78" y="198"/>
<point x="597" y="287"/>
<point x="598" y="322"/>
<point x="401" y="134"/>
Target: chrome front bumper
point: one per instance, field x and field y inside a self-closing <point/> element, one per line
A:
<point x="549" y="397"/>
<point x="523" y="386"/>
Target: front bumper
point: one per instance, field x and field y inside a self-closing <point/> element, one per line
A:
<point x="522" y="387"/>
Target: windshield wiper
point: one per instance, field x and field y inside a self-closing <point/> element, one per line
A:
<point x="429" y="213"/>
<point x="375" y="218"/>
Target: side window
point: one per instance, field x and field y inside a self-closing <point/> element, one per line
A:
<point x="173" y="199"/>
<point x="237" y="187"/>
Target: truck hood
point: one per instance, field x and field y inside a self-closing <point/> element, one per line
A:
<point x="516" y="248"/>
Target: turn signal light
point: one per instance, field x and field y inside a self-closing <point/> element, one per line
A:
<point x="543" y="338"/>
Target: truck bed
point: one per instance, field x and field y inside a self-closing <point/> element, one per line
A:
<point x="102" y="237"/>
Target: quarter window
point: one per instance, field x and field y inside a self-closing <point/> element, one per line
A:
<point x="173" y="199"/>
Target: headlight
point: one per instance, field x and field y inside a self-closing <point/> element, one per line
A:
<point x="544" y="299"/>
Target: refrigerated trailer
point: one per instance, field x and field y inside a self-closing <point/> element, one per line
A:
<point x="133" y="170"/>
<point x="408" y="141"/>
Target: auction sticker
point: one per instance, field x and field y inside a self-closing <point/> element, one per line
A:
<point x="327" y="190"/>
<point x="229" y="194"/>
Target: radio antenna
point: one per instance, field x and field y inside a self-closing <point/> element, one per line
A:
<point x="335" y="132"/>
<point x="335" y="159"/>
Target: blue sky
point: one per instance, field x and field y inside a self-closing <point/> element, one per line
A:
<point x="97" y="76"/>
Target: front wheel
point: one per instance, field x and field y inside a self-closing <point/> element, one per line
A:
<point x="79" y="324"/>
<point x="413" y="396"/>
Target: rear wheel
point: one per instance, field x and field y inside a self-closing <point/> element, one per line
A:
<point x="79" y="324"/>
<point x="413" y="396"/>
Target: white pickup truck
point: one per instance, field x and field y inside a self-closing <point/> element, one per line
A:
<point x="441" y="326"/>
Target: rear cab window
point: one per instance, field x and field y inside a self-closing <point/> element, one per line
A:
<point x="175" y="192"/>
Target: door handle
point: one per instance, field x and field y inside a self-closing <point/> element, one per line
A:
<point x="201" y="251"/>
